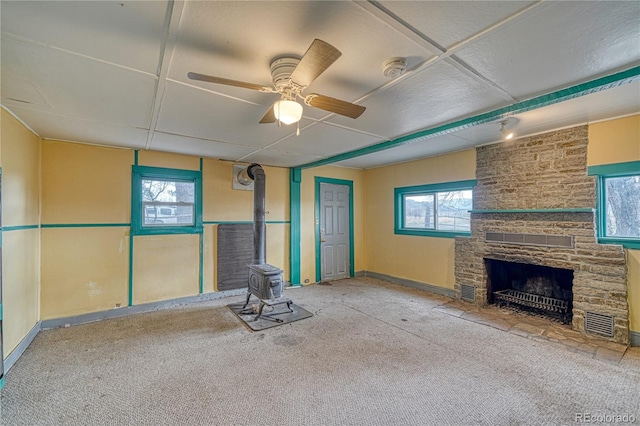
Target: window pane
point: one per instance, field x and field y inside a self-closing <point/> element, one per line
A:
<point x="623" y="206"/>
<point x="419" y="211"/>
<point x="168" y="203"/>
<point x="453" y="210"/>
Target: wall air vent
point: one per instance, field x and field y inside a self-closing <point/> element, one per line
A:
<point x="598" y="323"/>
<point x="467" y="292"/>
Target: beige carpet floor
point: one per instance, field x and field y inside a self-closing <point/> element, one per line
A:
<point x="374" y="353"/>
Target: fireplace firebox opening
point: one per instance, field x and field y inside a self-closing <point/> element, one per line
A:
<point x="527" y="287"/>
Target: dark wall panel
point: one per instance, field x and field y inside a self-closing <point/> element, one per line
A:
<point x="235" y="253"/>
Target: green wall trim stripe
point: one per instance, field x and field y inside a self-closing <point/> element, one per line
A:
<point x="583" y="210"/>
<point x="631" y="167"/>
<point x="135" y="157"/>
<point x="626" y="243"/>
<point x="84" y="225"/>
<point x="19" y="228"/>
<point x="593" y="86"/>
<point x="295" y="178"/>
<point x="243" y="222"/>
<point x="130" y="290"/>
<point x="1" y="380"/>
<point x="201" y="265"/>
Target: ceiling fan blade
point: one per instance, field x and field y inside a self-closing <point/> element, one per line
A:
<point x="228" y="82"/>
<point x="269" y="117"/>
<point x="334" y="105"/>
<point x="315" y="61"/>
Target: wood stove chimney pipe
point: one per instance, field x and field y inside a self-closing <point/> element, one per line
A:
<point x="256" y="173"/>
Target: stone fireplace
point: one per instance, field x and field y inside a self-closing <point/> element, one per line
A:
<point x="534" y="207"/>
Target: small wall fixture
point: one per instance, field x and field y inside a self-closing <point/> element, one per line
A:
<point x="287" y="111"/>
<point x="394" y="67"/>
<point x="506" y="133"/>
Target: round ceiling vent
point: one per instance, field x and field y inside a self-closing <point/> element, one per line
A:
<point x="394" y="67"/>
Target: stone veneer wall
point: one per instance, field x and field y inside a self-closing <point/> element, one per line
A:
<point x="546" y="172"/>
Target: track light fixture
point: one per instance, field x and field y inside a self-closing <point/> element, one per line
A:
<point x="506" y="133"/>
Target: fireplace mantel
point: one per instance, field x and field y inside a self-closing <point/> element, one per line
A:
<point x="585" y="210"/>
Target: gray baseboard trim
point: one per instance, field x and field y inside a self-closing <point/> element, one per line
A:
<point x="139" y="309"/>
<point x="22" y="346"/>
<point x="634" y="337"/>
<point x="413" y="284"/>
<point x="361" y="273"/>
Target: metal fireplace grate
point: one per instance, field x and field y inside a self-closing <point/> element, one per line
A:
<point x="468" y="292"/>
<point x="535" y="301"/>
<point x="598" y="323"/>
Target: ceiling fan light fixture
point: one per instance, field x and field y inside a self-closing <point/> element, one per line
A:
<point x="287" y="111"/>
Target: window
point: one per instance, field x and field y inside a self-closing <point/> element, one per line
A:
<point x="440" y="210"/>
<point x="166" y="201"/>
<point x="618" y="203"/>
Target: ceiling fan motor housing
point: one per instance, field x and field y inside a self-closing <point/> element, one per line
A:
<point x="281" y="70"/>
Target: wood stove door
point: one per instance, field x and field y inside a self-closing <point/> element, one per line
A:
<point x="335" y="240"/>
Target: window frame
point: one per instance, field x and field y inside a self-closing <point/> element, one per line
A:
<point x="602" y="173"/>
<point x="140" y="173"/>
<point x="399" y="208"/>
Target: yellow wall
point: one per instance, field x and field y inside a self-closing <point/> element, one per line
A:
<point x="20" y="162"/>
<point x="618" y="141"/>
<point x="308" y="212"/>
<point x="614" y="141"/>
<point x="423" y="259"/>
<point x="86" y="265"/>
<point x="84" y="269"/>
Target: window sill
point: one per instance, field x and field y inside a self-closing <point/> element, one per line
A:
<point x="625" y="242"/>
<point x="432" y="233"/>
<point x="168" y="230"/>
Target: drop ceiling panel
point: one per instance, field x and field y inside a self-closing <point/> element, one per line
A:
<point x="450" y="22"/>
<point x="275" y="158"/>
<point x="435" y="95"/>
<point x="128" y="33"/>
<point x="64" y="128"/>
<point x="426" y="147"/>
<point x="324" y="140"/>
<point x="76" y="86"/>
<point x="190" y="111"/>
<point x="558" y="45"/>
<point x="199" y="147"/>
<point x="238" y="40"/>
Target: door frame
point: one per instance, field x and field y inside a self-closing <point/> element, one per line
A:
<point x="349" y="183"/>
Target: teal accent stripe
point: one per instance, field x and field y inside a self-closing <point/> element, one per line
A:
<point x="19" y="228"/>
<point x="0" y="311"/>
<point x="244" y="222"/>
<point x="1" y="378"/>
<point x="585" y="210"/>
<point x="130" y="270"/>
<point x="460" y="185"/>
<point x="135" y="157"/>
<point x="201" y="161"/>
<point x="201" y="266"/>
<point x="84" y="225"/>
<point x="631" y="167"/>
<point x="572" y="92"/>
<point x="295" y="178"/>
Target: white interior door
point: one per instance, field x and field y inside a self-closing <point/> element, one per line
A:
<point x="335" y="243"/>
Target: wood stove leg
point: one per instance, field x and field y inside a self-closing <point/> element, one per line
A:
<point x="247" y="301"/>
<point x="259" y="311"/>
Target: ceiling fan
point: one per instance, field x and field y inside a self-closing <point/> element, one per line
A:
<point x="290" y="77"/>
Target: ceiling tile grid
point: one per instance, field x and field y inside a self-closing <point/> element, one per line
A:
<point x="105" y="72"/>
